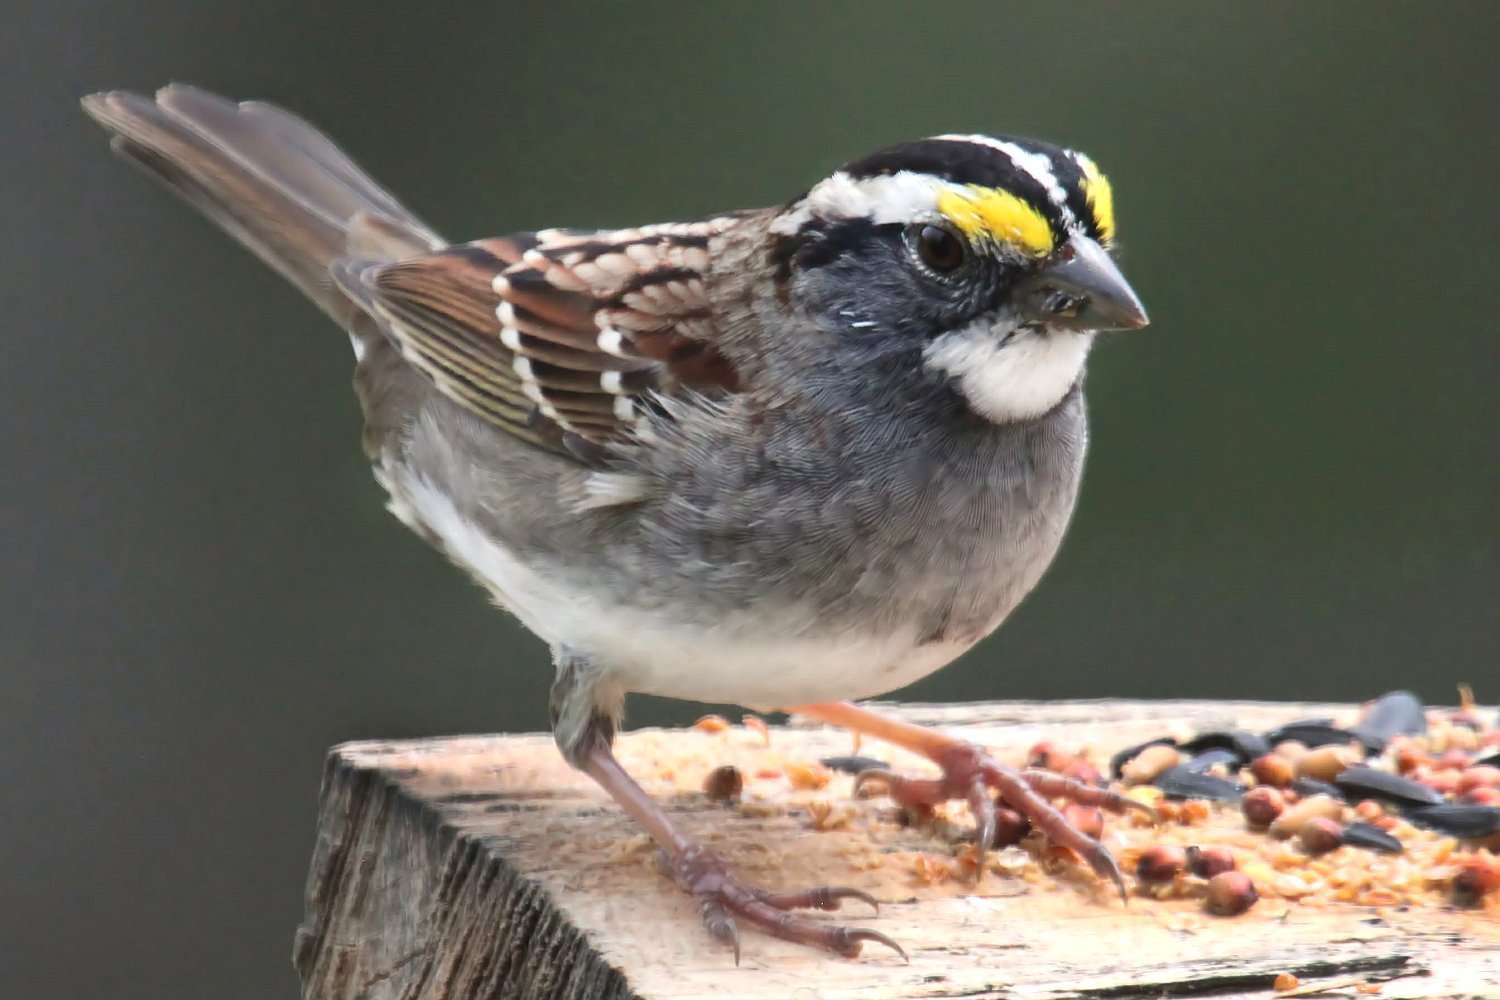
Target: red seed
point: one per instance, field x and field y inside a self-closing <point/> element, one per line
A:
<point x="1320" y="835"/>
<point x="1409" y="758"/>
<point x="724" y="784"/>
<point x="1161" y="863"/>
<point x="1206" y="862"/>
<point x="1044" y="755"/>
<point x="1230" y="894"/>
<point x="1262" y="805"/>
<point x="1483" y="776"/>
<point x="1478" y="875"/>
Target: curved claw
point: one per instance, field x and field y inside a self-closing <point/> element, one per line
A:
<point x="1104" y="865"/>
<point x="721" y="926"/>
<point x="722" y="898"/>
<point x="986" y="822"/>
<point x="851" y="939"/>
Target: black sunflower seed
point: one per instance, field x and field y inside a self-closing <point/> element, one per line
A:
<point x="1372" y="837"/>
<point x="1181" y="783"/>
<point x="1362" y="782"/>
<point x="1245" y="745"/>
<point x="1311" y="733"/>
<point x="1467" y="822"/>
<point x="1208" y="759"/>
<point x="1312" y="786"/>
<point x="1395" y="714"/>
<point x="854" y="765"/>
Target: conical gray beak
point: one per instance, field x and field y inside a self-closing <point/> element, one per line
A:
<point x="1081" y="290"/>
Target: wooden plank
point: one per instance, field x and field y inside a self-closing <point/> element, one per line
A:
<point x="484" y="867"/>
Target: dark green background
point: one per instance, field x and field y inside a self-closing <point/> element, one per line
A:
<point x="1291" y="493"/>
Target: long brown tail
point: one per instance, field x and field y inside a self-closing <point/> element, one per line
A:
<point x="269" y="179"/>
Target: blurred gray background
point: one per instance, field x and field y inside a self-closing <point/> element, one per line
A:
<point x="1291" y="494"/>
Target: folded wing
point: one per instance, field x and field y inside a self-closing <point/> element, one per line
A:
<point x="561" y="338"/>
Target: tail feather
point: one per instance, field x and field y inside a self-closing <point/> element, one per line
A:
<point x="267" y="178"/>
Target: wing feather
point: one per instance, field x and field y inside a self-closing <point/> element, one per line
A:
<point x="556" y="336"/>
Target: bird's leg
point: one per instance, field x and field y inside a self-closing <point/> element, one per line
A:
<point x="969" y="773"/>
<point x="721" y="896"/>
<point x="583" y="732"/>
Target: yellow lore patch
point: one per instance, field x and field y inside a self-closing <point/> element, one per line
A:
<point x="990" y="213"/>
<point x="1100" y="196"/>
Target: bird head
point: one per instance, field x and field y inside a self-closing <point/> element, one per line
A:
<point x="986" y="261"/>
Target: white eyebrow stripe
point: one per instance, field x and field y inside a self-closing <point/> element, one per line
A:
<point x="904" y="196"/>
<point x="1038" y="166"/>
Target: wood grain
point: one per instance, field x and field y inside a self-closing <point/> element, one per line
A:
<point x="483" y="867"/>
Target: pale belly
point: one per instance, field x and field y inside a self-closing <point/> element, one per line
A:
<point x="740" y="659"/>
<point x="762" y="672"/>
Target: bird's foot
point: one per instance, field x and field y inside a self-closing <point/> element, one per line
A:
<point x="722" y="897"/>
<point x="970" y="774"/>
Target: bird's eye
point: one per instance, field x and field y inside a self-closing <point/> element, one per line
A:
<point x="938" y="248"/>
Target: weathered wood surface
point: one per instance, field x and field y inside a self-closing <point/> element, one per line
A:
<point x="483" y="867"/>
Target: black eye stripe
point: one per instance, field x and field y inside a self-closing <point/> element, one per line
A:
<point x="820" y="242"/>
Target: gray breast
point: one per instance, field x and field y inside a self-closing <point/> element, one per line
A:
<point x="869" y="525"/>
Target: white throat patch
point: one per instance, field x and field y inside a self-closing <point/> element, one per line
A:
<point x="1021" y="380"/>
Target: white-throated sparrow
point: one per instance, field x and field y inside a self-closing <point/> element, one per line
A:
<point x="776" y="457"/>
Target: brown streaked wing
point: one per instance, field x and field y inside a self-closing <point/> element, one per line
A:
<point x="555" y="336"/>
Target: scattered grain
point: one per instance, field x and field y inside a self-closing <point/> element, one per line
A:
<point x="757" y="725"/>
<point x="1195" y="811"/>
<point x="711" y="724"/>
<point x="1146" y="766"/>
<point x="1292" y="750"/>
<point x="807" y="776"/>
<point x="1273" y="769"/>
<point x="823" y="815"/>
<point x="1327" y="763"/>
<point x="1292" y="818"/>
<point x="931" y="870"/>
